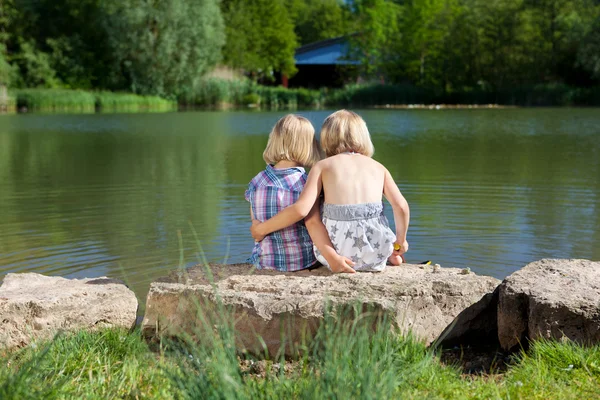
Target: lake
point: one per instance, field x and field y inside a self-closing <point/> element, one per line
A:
<point x="133" y="196"/>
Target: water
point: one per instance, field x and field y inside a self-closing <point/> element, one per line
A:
<point x="122" y="195"/>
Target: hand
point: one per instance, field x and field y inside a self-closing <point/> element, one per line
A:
<point x="342" y="265"/>
<point x="400" y="249"/>
<point x="255" y="230"/>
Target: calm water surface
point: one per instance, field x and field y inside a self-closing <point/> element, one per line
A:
<point x="122" y="195"/>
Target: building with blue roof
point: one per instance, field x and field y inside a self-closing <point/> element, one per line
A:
<point x="326" y="63"/>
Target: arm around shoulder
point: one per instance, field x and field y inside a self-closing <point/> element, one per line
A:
<point x="297" y="211"/>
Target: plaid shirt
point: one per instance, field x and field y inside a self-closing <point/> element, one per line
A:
<point x="289" y="249"/>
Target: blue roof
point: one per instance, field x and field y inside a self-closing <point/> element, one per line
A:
<point x="326" y="52"/>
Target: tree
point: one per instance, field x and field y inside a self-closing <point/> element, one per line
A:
<point x="260" y="37"/>
<point x="588" y="55"/>
<point x="379" y="30"/>
<point x="317" y="20"/>
<point x="162" y="47"/>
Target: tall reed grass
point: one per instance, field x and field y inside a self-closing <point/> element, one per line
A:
<point x="54" y="100"/>
<point x="110" y="101"/>
<point x="222" y="93"/>
<point x="66" y="100"/>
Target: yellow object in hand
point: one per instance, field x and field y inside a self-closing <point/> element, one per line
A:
<point x="397" y="247"/>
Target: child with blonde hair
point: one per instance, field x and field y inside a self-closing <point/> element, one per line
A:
<point x="352" y="213"/>
<point x="291" y="147"/>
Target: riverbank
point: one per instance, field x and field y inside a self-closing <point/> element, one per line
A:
<point x="222" y="94"/>
<point x="351" y="362"/>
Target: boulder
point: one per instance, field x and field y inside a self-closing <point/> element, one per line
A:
<point x="270" y="306"/>
<point x="552" y="299"/>
<point x="475" y="326"/>
<point x="34" y="306"/>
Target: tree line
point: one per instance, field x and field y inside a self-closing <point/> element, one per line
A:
<point x="165" y="47"/>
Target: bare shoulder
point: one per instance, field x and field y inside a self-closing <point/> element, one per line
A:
<point x="320" y="164"/>
<point x="377" y="165"/>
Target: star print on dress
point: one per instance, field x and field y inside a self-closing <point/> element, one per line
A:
<point x="354" y="259"/>
<point x="334" y="229"/>
<point x="359" y="243"/>
<point x="370" y="230"/>
<point x="376" y="245"/>
<point x="348" y="234"/>
<point x="380" y="256"/>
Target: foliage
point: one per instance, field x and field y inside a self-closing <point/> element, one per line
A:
<point x="456" y="44"/>
<point x="34" y="67"/>
<point x="163" y="48"/>
<point x="349" y="358"/>
<point x="160" y="48"/>
<point x="79" y="100"/>
<point x="106" y="364"/>
<point x="522" y="95"/>
<point x="7" y="72"/>
<point x="215" y="92"/>
<point x="378" y="22"/>
<point x="453" y="48"/>
<point x="260" y="37"/>
<point x="589" y="53"/>
<point x="316" y="20"/>
<point x="111" y="101"/>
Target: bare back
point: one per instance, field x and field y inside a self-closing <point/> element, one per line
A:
<point x="352" y="178"/>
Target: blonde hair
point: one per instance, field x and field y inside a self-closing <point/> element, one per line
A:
<point x="345" y="131"/>
<point x="292" y="139"/>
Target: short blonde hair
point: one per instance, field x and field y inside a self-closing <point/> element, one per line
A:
<point x="292" y="139"/>
<point x="345" y="131"/>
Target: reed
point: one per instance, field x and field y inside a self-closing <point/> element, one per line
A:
<point x="111" y="102"/>
<point x="66" y="100"/>
<point x="222" y="93"/>
<point x="57" y="100"/>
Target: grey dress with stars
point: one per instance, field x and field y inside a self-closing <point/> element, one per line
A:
<point x="360" y="232"/>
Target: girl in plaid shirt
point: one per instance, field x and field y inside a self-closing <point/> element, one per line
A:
<point x="291" y="147"/>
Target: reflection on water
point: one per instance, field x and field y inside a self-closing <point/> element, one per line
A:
<point x="121" y="195"/>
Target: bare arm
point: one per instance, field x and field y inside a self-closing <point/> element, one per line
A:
<point x="320" y="237"/>
<point x="294" y="213"/>
<point x="399" y="206"/>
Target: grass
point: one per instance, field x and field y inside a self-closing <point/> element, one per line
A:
<point x="105" y="364"/>
<point x="222" y="93"/>
<point x="110" y="101"/>
<point x="54" y="100"/>
<point x="349" y="360"/>
<point x="66" y="100"/>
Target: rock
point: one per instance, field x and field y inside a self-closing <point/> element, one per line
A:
<point x="475" y="326"/>
<point x="265" y="303"/>
<point x="34" y="306"/>
<point x="552" y="299"/>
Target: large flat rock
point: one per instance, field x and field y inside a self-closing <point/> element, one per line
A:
<point x="273" y="305"/>
<point x="552" y="299"/>
<point x="34" y="306"/>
